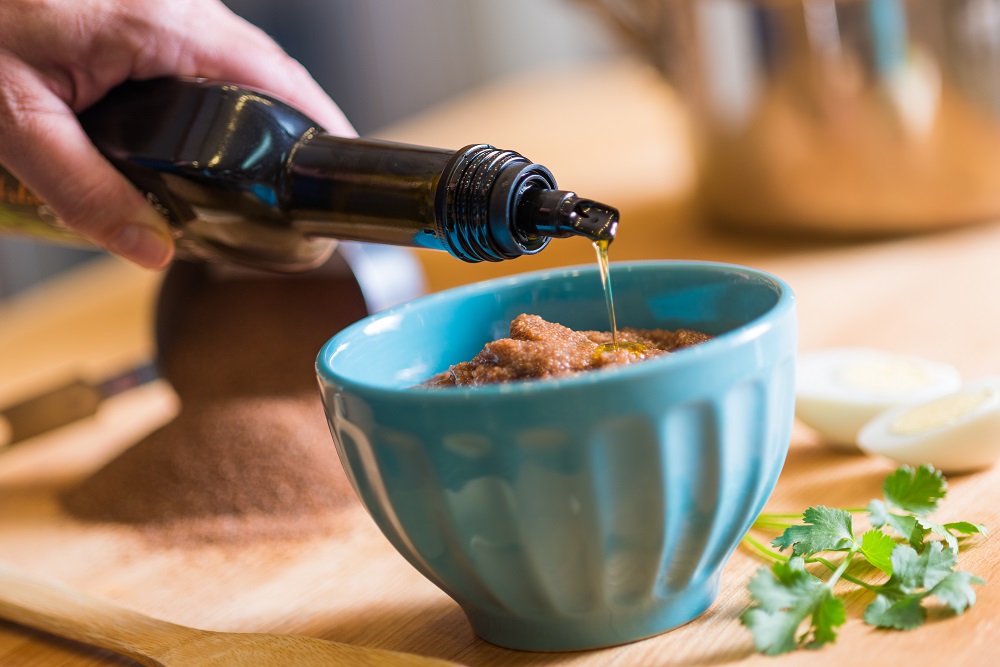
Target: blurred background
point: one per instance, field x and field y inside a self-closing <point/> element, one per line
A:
<point x="840" y="119"/>
<point x="384" y="60"/>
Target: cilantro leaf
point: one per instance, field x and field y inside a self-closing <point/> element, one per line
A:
<point x="904" y="613"/>
<point x="795" y="609"/>
<point x="915" y="529"/>
<point x="786" y="597"/>
<point x="825" y="529"/>
<point x="915" y="576"/>
<point x="899" y="603"/>
<point x="915" y="490"/>
<point x="943" y="531"/>
<point x="966" y="528"/>
<point x="783" y="586"/>
<point x="877" y="547"/>
<point x="829" y="615"/>
<point x="879" y="515"/>
<point x="956" y="590"/>
<point x="905" y="525"/>
<point x="912" y="571"/>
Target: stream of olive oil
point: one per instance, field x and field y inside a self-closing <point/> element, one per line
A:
<point x="601" y="246"/>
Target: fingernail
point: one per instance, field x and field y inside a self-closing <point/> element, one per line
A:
<point x="142" y="244"/>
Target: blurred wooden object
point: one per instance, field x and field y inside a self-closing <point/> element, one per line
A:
<point x="622" y="140"/>
<point x="67" y="613"/>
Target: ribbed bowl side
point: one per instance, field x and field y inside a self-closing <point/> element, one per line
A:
<point x="744" y="435"/>
<point x="579" y="512"/>
<point x="609" y="526"/>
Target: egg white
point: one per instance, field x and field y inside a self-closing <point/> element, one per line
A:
<point x="959" y="432"/>
<point x="839" y="390"/>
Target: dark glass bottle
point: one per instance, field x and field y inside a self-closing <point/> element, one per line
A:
<point x="243" y="177"/>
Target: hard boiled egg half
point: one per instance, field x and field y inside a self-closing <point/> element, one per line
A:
<point x="954" y="433"/>
<point x="839" y="390"/>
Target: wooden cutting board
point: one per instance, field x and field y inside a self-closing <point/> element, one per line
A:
<point x="931" y="295"/>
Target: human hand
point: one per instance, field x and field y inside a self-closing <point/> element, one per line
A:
<point x="59" y="57"/>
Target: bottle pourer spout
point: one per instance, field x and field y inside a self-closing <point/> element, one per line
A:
<point x="559" y="214"/>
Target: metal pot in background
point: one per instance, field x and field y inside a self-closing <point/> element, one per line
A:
<point x="839" y="116"/>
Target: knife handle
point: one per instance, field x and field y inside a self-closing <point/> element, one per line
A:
<point x="57" y="407"/>
<point x="64" y="405"/>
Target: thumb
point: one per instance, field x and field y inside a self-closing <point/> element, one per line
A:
<point x="42" y="143"/>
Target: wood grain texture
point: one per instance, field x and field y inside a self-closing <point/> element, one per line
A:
<point x="931" y="295"/>
<point x="67" y="613"/>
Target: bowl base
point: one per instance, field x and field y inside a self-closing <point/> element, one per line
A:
<point x="598" y="629"/>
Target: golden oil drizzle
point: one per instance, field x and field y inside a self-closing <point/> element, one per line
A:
<point x="601" y="246"/>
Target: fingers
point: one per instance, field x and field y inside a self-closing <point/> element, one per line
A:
<point x="285" y="78"/>
<point x="43" y="145"/>
<point x="41" y="141"/>
<point x="238" y="52"/>
<point x="272" y="70"/>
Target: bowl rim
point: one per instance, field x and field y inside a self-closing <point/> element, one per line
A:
<point x="733" y="338"/>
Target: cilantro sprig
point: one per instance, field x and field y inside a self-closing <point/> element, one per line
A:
<point x="795" y="608"/>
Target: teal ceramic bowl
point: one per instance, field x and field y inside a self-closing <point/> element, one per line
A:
<point x="572" y="513"/>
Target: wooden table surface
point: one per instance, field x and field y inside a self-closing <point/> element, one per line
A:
<point x="933" y="295"/>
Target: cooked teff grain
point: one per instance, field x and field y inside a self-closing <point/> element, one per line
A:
<point x="539" y="349"/>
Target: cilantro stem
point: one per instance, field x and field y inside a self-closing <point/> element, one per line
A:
<point x="778" y="516"/>
<point x="844" y="575"/>
<point x="839" y="572"/>
<point x="768" y="523"/>
<point x="858" y="582"/>
<point x="770" y="554"/>
<point x="762" y="549"/>
<point x="820" y="559"/>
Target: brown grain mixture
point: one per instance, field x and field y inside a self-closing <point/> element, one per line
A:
<point x="539" y="349"/>
<point x="249" y="455"/>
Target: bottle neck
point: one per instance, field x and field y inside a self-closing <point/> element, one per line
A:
<point x="477" y="203"/>
<point x="364" y="190"/>
<point x="467" y="202"/>
<point x="496" y="205"/>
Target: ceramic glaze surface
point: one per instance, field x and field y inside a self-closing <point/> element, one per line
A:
<point x="580" y="512"/>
